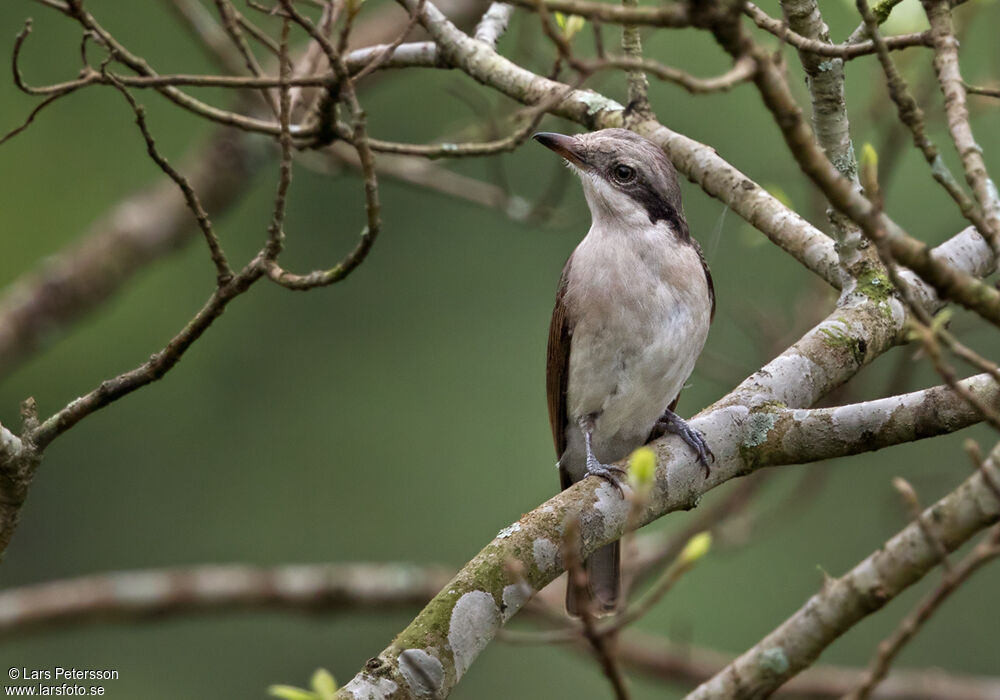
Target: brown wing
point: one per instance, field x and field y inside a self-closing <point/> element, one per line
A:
<point x="557" y="363"/>
<point x="708" y="276"/>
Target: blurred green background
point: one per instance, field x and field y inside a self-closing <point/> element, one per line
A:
<point x="400" y="415"/>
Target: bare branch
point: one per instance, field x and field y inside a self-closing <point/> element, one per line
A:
<point x="686" y="665"/>
<point x="159" y="364"/>
<point x="149" y="595"/>
<point x="223" y="272"/>
<point x="360" y="141"/>
<point x="638" y="86"/>
<point x="494" y="23"/>
<point x="985" y="92"/>
<point x="212" y="589"/>
<point x="913" y="117"/>
<point x="953" y="88"/>
<point x="899" y="563"/>
<point x="673" y="15"/>
<point x="984" y="552"/>
<point x="825" y="78"/>
<point x="826" y="433"/>
<point x="846" y="51"/>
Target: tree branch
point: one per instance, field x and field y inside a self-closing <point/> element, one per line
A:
<point x="825" y="78"/>
<point x="686" y="665"/>
<point x="987" y="550"/>
<point x="953" y="88"/>
<point x="159" y="594"/>
<point x="847" y="51"/>
<point x="842" y="602"/>
<point x="140" y="595"/>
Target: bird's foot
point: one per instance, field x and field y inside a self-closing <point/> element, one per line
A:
<point x="672" y="423"/>
<point x="610" y="473"/>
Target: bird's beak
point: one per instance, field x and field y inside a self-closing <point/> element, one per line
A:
<point x="566" y="146"/>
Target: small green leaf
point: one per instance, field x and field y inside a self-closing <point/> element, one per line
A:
<point x="696" y="548"/>
<point x="569" y="24"/>
<point x="941" y="319"/>
<point x="290" y="692"/>
<point x="642" y="469"/>
<point x="323" y="684"/>
<point x="869" y="169"/>
<point x="574" y="23"/>
<point x="869" y="156"/>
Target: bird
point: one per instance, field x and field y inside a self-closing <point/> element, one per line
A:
<point x="632" y="313"/>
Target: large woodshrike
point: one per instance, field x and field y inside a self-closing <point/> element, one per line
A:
<point x="632" y="313"/>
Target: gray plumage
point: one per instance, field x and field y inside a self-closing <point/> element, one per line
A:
<point x="632" y="314"/>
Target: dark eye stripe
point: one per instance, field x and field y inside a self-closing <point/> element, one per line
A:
<point x="658" y="209"/>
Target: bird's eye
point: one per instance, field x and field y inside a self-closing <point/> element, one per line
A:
<point x="623" y="173"/>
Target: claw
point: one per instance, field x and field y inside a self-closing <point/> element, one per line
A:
<point x="609" y="473"/>
<point x="673" y="423"/>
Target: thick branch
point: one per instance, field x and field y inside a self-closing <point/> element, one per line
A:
<point x="683" y="664"/>
<point x="825" y="433"/>
<point x="146" y="595"/>
<point x="842" y="602"/>
<point x="132" y="595"/>
<point x="825" y="78"/>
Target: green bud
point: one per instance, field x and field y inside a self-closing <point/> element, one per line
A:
<point x="642" y="469"/>
<point x="323" y="684"/>
<point x="574" y="23"/>
<point x="290" y="692"/>
<point x="569" y="24"/>
<point x="941" y="320"/>
<point x="869" y="171"/>
<point x="696" y="548"/>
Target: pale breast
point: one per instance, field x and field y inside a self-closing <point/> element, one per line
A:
<point x="640" y="312"/>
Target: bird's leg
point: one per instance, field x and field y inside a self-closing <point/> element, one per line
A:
<point x="608" y="472"/>
<point x="672" y="423"/>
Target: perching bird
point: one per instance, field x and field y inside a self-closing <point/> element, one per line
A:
<point x="632" y="313"/>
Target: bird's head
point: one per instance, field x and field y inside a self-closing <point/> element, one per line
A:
<point x="627" y="179"/>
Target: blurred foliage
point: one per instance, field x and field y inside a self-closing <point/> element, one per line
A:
<point x="401" y="415"/>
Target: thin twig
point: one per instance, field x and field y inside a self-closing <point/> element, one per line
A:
<point x="224" y="273"/>
<point x="846" y="51"/>
<point x="360" y="141"/>
<point x="946" y="65"/>
<point x="912" y="116"/>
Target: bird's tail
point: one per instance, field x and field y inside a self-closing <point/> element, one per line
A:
<point x="604" y="582"/>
